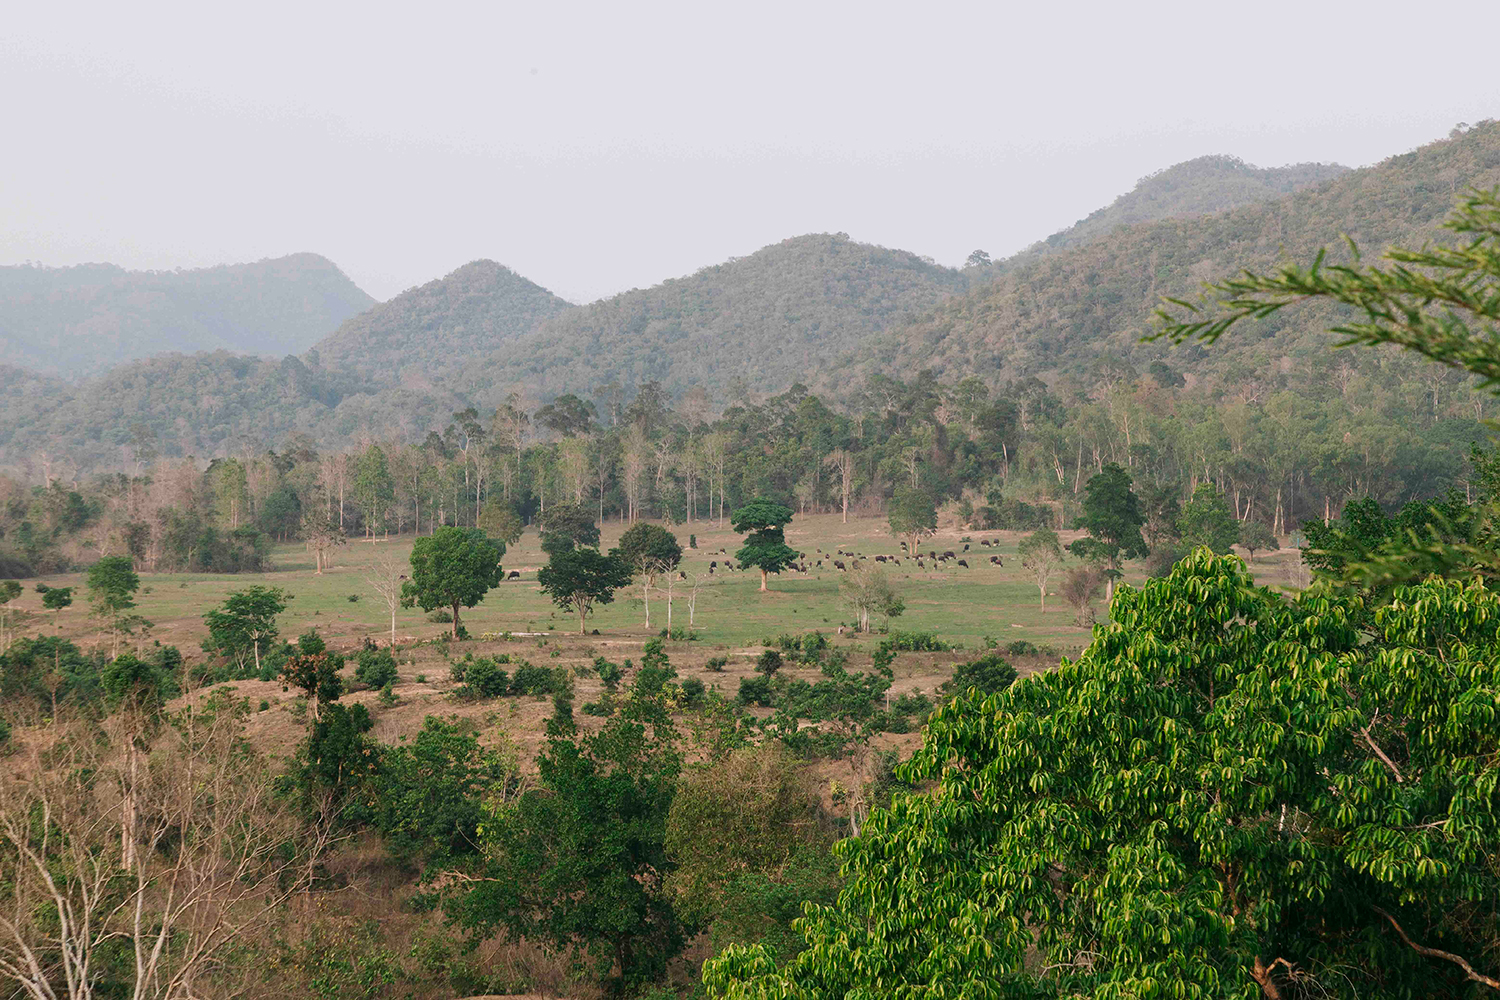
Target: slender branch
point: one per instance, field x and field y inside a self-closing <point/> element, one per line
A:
<point x="1446" y="956"/>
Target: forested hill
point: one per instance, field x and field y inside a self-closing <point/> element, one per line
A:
<point x="770" y="318"/>
<point x="434" y="330"/>
<point x="1204" y="186"/>
<point x="1065" y="312"/>
<point x="83" y="320"/>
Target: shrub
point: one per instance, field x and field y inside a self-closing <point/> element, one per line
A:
<point x="907" y="642"/>
<point x="441" y="616"/>
<point x="768" y="662"/>
<point x="532" y="680"/>
<point x="602" y="709"/>
<point x="693" y="691"/>
<point x="482" y="678"/>
<point x="717" y="663"/>
<point x="609" y="673"/>
<point x="990" y="674"/>
<point x="376" y="669"/>
<point x="755" y="691"/>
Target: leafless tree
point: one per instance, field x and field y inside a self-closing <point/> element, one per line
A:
<point x="843" y="462"/>
<point x="386" y="578"/>
<point x="199" y="859"/>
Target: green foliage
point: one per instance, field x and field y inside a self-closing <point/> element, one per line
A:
<point x="376" y="668"/>
<point x="750" y="843"/>
<point x="429" y="792"/>
<point x="898" y="641"/>
<point x="1063" y="817"/>
<point x="867" y="590"/>
<point x="1256" y="537"/>
<point x="580" y="862"/>
<point x="1208" y="521"/>
<point x="482" y="677"/>
<point x="453" y="568"/>
<point x="768" y="662"/>
<point x="990" y="674"/>
<point x="49" y="670"/>
<point x="499" y="521"/>
<point x="912" y="512"/>
<point x="650" y="549"/>
<point x="763" y="522"/>
<point x="334" y="771"/>
<point x="1042" y="555"/>
<point x="578" y="578"/>
<point x="57" y="598"/>
<point x="317" y="676"/>
<point x="755" y="691"/>
<point x="112" y="583"/>
<point x="1112" y="517"/>
<point x="534" y="681"/>
<point x="569" y="525"/>
<point x="245" y="623"/>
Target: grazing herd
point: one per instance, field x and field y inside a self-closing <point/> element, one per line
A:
<point x="844" y="561"/>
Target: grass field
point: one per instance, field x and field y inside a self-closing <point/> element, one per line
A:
<point x="960" y="604"/>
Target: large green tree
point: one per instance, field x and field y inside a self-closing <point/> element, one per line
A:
<point x="452" y="568"/>
<point x="913" y="514"/>
<point x="649" y="550"/>
<point x="245" y="623"/>
<point x="579" y="578"/>
<point x="1112" y="516"/>
<point x="763" y="522"/>
<point x="580" y="863"/>
<point x="1227" y="795"/>
<point x="566" y="525"/>
<point x="112" y="583"/>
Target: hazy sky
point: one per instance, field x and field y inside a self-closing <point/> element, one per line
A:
<point x="596" y="148"/>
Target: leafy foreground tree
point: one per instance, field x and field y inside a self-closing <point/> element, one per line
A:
<point x="452" y="568"/>
<point x="581" y="862"/>
<point x="1226" y="795"/>
<point x="763" y="522"/>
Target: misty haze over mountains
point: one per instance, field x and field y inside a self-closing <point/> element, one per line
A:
<point x="267" y="349"/>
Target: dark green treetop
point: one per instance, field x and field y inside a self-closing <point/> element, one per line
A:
<point x="763" y="522"/>
<point x="452" y="568"/>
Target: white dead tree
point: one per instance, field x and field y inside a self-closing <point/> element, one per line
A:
<point x="386" y="578"/>
<point x="206" y="863"/>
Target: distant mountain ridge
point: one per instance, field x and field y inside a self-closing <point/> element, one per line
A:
<point x="768" y="318"/>
<point x="1207" y="185"/>
<point x="435" y="330"/>
<point x="822" y="309"/>
<point x="83" y="320"/>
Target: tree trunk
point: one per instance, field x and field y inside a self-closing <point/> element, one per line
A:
<point x="582" y="628"/>
<point x="763" y="577"/>
<point x="455" y="619"/>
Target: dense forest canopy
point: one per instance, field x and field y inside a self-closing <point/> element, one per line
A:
<point x="80" y="321"/>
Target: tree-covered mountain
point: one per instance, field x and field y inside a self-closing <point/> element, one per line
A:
<point x="1203" y="186"/>
<point x="83" y="320"/>
<point x="768" y="319"/>
<point x="427" y="334"/>
<point x="1063" y="312"/>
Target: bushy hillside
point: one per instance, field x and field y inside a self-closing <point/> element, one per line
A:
<point x="777" y="316"/>
<point x="1063" y="312"/>
<point x="1203" y="186"/>
<point x="83" y="320"/>
<point x="439" y="328"/>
